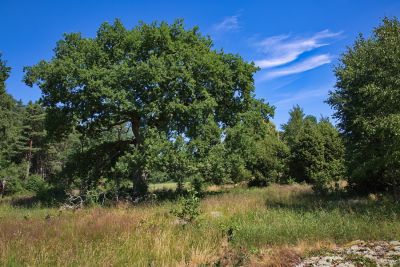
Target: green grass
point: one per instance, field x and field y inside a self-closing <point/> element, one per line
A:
<point x="164" y="186"/>
<point x="311" y="219"/>
<point x="148" y="234"/>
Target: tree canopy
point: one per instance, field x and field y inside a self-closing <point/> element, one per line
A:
<point x="316" y="150"/>
<point x="157" y="102"/>
<point x="156" y="79"/>
<point x="366" y="101"/>
<point x="9" y="123"/>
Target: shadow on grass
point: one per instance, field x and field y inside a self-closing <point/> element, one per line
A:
<point x="29" y="201"/>
<point x="34" y="202"/>
<point x="341" y="201"/>
<point x="49" y="197"/>
<point x="25" y="201"/>
<point x="57" y="198"/>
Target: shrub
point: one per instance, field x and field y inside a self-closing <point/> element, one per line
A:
<point x="13" y="174"/>
<point x="50" y="194"/>
<point x="35" y="183"/>
<point x="317" y="156"/>
<point x="188" y="207"/>
<point x="197" y="184"/>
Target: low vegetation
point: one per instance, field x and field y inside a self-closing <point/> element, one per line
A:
<point x="235" y="225"/>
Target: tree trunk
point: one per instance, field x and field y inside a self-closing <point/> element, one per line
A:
<point x="139" y="179"/>
<point x="179" y="187"/>
<point x="29" y="158"/>
<point x="140" y="186"/>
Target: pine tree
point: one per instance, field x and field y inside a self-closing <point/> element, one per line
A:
<point x="31" y="144"/>
<point x="10" y="123"/>
<point x="292" y="129"/>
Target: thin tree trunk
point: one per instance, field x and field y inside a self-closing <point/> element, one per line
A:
<point x="29" y="158"/>
<point x="136" y="131"/>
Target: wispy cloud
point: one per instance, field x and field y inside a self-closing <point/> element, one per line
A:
<point x="283" y="49"/>
<point x="302" y="95"/>
<point x="305" y="65"/>
<point x="228" y="24"/>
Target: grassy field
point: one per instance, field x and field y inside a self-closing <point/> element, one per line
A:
<point x="163" y="186"/>
<point x="239" y="226"/>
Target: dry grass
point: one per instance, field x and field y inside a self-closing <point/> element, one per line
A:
<point x="103" y="237"/>
<point x="287" y="255"/>
<point x="273" y="226"/>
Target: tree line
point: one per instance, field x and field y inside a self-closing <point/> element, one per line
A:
<point x="158" y="103"/>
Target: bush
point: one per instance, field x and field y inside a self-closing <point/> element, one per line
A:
<point x="188" y="208"/>
<point x="14" y="175"/>
<point x="197" y="184"/>
<point x="98" y="195"/>
<point x="317" y="156"/>
<point x="238" y="170"/>
<point x="14" y="186"/>
<point x="35" y="183"/>
<point x="50" y="194"/>
<point x="258" y="180"/>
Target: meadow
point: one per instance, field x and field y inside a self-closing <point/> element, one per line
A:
<point x="271" y="226"/>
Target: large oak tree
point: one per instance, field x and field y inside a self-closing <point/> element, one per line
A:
<point x="155" y="77"/>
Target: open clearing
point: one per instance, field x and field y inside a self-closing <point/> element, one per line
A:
<point x="276" y="225"/>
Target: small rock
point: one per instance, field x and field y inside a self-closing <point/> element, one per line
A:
<point x="394" y="243"/>
<point x="369" y="256"/>
<point x="393" y="254"/>
<point x="345" y="264"/>
<point x="355" y="247"/>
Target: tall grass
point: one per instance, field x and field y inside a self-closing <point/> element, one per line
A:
<point x="234" y="225"/>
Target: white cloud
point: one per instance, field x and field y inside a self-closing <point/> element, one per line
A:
<point x="228" y="24"/>
<point x="283" y="49"/>
<point x="307" y="64"/>
<point x="293" y="99"/>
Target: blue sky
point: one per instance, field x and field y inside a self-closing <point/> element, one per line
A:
<point x="295" y="43"/>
